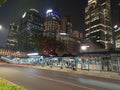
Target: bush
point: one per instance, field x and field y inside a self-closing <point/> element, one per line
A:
<point x="4" y="85"/>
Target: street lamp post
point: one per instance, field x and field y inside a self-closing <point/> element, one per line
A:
<point x="85" y="48"/>
<point x="114" y="36"/>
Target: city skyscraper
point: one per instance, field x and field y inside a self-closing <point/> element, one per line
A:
<point x="12" y="40"/>
<point x="52" y="23"/>
<point x="31" y="25"/>
<point x="98" y="23"/>
<point x="119" y="10"/>
<point x="116" y="28"/>
<point x="117" y="36"/>
<point x="66" y="24"/>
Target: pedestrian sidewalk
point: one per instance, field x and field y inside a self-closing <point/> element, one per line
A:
<point x="110" y="75"/>
<point x="1" y="63"/>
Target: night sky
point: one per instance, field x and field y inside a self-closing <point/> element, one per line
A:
<point x="13" y="10"/>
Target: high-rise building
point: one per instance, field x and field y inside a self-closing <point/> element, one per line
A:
<point x="70" y="41"/>
<point x="52" y="23"/>
<point x="98" y="23"/>
<point x="116" y="23"/>
<point x="31" y="25"/>
<point x="66" y="24"/>
<point x="12" y="37"/>
<point x="119" y="10"/>
<point x="77" y="34"/>
<point x="117" y="36"/>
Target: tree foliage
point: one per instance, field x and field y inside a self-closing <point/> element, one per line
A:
<point x="2" y="2"/>
<point x="50" y="45"/>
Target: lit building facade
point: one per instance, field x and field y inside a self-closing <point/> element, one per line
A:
<point x="66" y="24"/>
<point x="118" y="10"/>
<point x="77" y="34"/>
<point x="52" y="23"/>
<point x="98" y="23"/>
<point x="117" y="36"/>
<point x="12" y="40"/>
<point x="31" y="25"/>
<point x="70" y="41"/>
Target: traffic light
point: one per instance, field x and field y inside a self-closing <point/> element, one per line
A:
<point x="44" y="51"/>
<point x="51" y="50"/>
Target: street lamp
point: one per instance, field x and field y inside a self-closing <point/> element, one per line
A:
<point x="84" y="48"/>
<point x="0" y="27"/>
<point x="116" y="26"/>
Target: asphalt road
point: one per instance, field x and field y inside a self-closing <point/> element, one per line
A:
<point x="39" y="79"/>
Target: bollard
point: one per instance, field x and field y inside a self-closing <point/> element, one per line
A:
<point x="61" y="67"/>
<point x="119" y="66"/>
<point x="42" y="65"/>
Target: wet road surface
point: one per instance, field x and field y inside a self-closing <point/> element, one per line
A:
<point x="39" y="79"/>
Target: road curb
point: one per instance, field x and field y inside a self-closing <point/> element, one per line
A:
<point x="84" y="72"/>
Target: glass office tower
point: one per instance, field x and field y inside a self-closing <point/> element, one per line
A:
<point x="31" y="25"/>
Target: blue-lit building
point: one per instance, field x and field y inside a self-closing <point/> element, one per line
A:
<point x="52" y="23"/>
<point x="31" y="26"/>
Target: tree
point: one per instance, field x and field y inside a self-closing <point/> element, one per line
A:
<point x="48" y="45"/>
<point x="2" y="2"/>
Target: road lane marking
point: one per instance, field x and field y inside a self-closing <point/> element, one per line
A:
<point x="99" y="83"/>
<point x="55" y="80"/>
